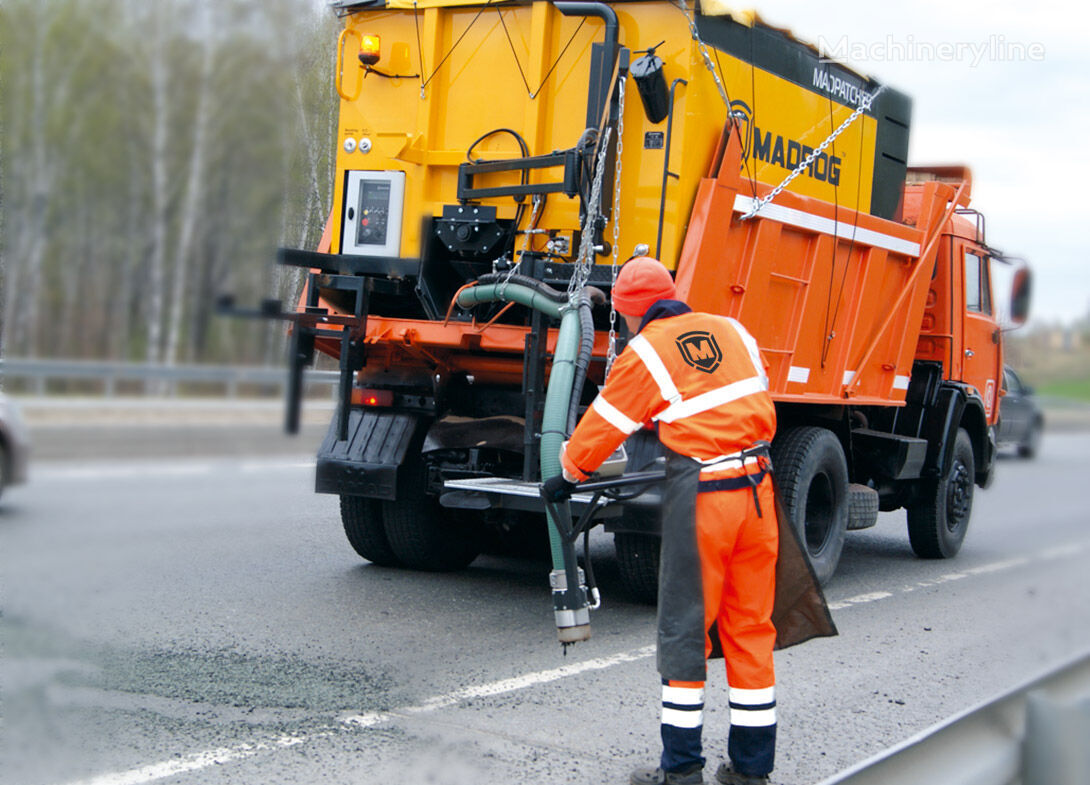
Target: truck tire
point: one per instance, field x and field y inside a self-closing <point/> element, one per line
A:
<point x="424" y="535"/>
<point x="938" y="522"/>
<point x="362" y="519"/>
<point x="638" y="560"/>
<point x="862" y="507"/>
<point x="812" y="478"/>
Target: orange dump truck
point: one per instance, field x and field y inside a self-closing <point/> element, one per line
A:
<point x="497" y="161"/>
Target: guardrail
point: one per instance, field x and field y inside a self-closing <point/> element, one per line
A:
<point x="1036" y="734"/>
<point x="165" y="378"/>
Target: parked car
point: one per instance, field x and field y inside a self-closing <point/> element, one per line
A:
<point x="14" y="445"/>
<point x="1021" y="420"/>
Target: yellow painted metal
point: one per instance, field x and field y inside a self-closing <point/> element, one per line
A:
<point x="463" y="70"/>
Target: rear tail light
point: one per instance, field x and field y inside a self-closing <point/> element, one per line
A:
<point x="366" y="397"/>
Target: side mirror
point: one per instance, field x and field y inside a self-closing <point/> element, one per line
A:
<point x="1021" y="290"/>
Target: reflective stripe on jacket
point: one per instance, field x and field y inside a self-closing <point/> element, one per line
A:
<point x="701" y="377"/>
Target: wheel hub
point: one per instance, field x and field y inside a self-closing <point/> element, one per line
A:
<point x="819" y="514"/>
<point x="960" y="496"/>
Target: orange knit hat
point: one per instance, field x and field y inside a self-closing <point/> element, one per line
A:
<point x="640" y="283"/>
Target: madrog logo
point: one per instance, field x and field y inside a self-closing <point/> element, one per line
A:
<point x="700" y="350"/>
<point x="778" y="150"/>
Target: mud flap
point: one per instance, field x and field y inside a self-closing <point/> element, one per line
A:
<point x="368" y="463"/>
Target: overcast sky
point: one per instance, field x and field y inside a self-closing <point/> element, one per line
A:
<point x="1009" y="95"/>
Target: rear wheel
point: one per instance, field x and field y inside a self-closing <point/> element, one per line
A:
<point x="362" y="519"/>
<point x="424" y="535"/>
<point x="938" y="522"/>
<point x="638" y="560"/>
<point x="812" y="478"/>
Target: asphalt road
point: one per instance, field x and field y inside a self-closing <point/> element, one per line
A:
<point x="204" y="621"/>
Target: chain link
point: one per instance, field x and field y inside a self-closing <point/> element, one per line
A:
<point x="587" y="250"/>
<point x="864" y="105"/>
<point x="537" y="202"/>
<point x="704" y="53"/>
<point x="611" y="349"/>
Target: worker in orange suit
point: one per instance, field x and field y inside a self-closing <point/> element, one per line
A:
<point x="702" y="380"/>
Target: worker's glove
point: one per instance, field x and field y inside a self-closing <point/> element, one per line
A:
<point x="557" y="489"/>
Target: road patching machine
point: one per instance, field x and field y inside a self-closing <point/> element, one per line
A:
<point x="495" y="167"/>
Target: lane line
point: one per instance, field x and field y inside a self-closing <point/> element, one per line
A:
<point x="168" y="469"/>
<point x="217" y="757"/>
<point x="1054" y="552"/>
<point x="859" y="599"/>
<point x="196" y="761"/>
<point x="124" y="472"/>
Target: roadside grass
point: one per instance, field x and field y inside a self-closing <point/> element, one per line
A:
<point x="1072" y="389"/>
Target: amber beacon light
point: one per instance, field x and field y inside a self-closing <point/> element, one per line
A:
<point x="370" y="47"/>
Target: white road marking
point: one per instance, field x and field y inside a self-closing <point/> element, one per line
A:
<point x="194" y="762"/>
<point x="1055" y="552"/>
<point x="166" y="469"/>
<point x="123" y="472"/>
<point x="998" y="566"/>
<point x="217" y="757"/>
<point x="256" y="467"/>
<point x="529" y="680"/>
<point x="859" y="599"/>
<point x="1062" y="551"/>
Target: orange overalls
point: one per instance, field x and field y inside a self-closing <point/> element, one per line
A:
<point x="701" y="378"/>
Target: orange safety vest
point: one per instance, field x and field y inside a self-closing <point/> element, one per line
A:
<point x="700" y="377"/>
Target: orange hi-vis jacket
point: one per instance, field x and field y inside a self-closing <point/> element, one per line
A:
<point x="700" y="377"/>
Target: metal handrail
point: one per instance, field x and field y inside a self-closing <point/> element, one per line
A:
<point x="109" y="372"/>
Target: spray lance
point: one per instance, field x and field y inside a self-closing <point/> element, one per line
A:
<point x="571" y="599"/>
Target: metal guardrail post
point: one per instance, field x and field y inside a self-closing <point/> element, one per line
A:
<point x="1002" y="742"/>
<point x="1056" y="750"/>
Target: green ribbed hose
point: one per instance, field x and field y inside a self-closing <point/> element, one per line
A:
<point x="559" y="392"/>
<point x="569" y="595"/>
<point x="524" y="295"/>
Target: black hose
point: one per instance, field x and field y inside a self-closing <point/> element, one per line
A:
<point x="582" y="360"/>
<point x="592" y="584"/>
<point x="540" y="287"/>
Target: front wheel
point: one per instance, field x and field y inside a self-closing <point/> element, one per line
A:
<point x="938" y="522"/>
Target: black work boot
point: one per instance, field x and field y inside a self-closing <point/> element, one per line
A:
<point x="657" y="776"/>
<point x="725" y="775"/>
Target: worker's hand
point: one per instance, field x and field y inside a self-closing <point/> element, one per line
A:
<point x="557" y="489"/>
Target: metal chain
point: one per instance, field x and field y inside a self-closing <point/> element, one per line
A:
<point x="864" y="105"/>
<point x="611" y="349"/>
<point x="519" y="255"/>
<point x="590" y="223"/>
<point x="704" y="53"/>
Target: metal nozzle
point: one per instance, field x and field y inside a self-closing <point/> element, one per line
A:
<point x="570" y="607"/>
